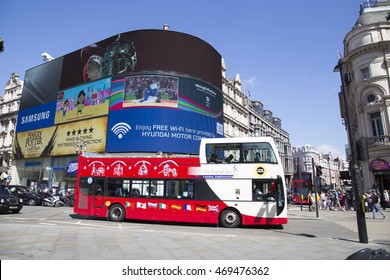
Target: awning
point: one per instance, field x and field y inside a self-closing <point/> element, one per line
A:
<point x="379" y="165"/>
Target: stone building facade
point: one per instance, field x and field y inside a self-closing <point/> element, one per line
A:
<point x="9" y="106"/>
<point x="244" y="117"/>
<point x="366" y="84"/>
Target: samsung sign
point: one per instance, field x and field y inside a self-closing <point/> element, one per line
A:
<point x="36" y="117"/>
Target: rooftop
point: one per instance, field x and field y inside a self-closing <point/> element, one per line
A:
<point x="373" y="12"/>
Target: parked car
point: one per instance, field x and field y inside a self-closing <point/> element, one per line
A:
<point x="26" y="193"/>
<point x="9" y="202"/>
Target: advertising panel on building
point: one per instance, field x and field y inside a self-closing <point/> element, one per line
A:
<point x="139" y="91"/>
<point x="162" y="112"/>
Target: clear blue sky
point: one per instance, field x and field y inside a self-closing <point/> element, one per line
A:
<point x="285" y="51"/>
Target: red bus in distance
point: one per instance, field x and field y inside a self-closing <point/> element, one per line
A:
<point x="301" y="188"/>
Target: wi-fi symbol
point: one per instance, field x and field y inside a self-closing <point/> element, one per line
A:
<point x="120" y="129"/>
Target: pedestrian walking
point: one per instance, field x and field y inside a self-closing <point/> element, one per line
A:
<point x="341" y="200"/>
<point x="386" y="203"/>
<point x="310" y="199"/>
<point x="323" y="200"/>
<point x="331" y="200"/>
<point x="376" y="205"/>
<point x="336" y="200"/>
<point x="347" y="197"/>
<point x="369" y="200"/>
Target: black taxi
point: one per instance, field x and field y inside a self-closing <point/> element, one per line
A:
<point x="9" y="202"/>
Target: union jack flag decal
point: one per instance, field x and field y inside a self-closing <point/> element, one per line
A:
<point x="213" y="208"/>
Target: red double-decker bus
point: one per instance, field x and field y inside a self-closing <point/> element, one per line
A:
<point x="232" y="182"/>
<point x="301" y="188"/>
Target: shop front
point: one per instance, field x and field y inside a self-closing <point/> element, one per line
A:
<point x="381" y="171"/>
<point x="48" y="172"/>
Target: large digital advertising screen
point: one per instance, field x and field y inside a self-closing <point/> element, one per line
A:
<point x="140" y="77"/>
<point x="83" y="102"/>
<point x="44" y="102"/>
<point x="41" y="84"/>
<point x="163" y="112"/>
<point x="143" y="50"/>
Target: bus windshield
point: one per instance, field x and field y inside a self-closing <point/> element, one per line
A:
<point x="260" y="152"/>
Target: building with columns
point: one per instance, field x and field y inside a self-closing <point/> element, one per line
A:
<point x="9" y="107"/>
<point x="365" y="92"/>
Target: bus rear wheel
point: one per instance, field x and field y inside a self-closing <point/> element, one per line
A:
<point x="116" y="213"/>
<point x="230" y="218"/>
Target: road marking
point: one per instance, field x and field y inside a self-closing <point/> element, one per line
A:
<point x="48" y="224"/>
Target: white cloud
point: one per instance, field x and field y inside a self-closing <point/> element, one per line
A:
<point x="326" y="148"/>
<point x="251" y="82"/>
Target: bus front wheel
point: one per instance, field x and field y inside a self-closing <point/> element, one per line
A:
<point x="230" y="218"/>
<point x="116" y="213"/>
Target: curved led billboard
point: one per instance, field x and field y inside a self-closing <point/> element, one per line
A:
<point x="143" y="78"/>
<point x="143" y="50"/>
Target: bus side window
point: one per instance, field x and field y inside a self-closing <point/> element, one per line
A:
<point x="135" y="193"/>
<point x="170" y="189"/>
<point x="140" y="188"/>
<point x="99" y="187"/>
<point x="99" y="190"/>
<point x="257" y="192"/>
<point x="264" y="190"/>
<point x="157" y="188"/>
<point x="114" y="187"/>
<point x="174" y="189"/>
<point x="257" y="157"/>
<point x="119" y="192"/>
<point x="152" y="189"/>
<point x="179" y="189"/>
<point x="213" y="158"/>
<point x="188" y="189"/>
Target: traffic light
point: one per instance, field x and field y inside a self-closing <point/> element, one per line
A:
<point x="319" y="170"/>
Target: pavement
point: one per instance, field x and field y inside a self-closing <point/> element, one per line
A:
<point x="378" y="230"/>
<point x="46" y="233"/>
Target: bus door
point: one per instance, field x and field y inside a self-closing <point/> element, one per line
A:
<point x="98" y="191"/>
<point x="271" y="192"/>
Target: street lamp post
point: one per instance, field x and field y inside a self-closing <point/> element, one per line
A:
<point x="300" y="183"/>
<point x="355" y="168"/>
<point x="80" y="147"/>
<point x="316" y="180"/>
<point x="330" y="173"/>
<point x="338" y="180"/>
